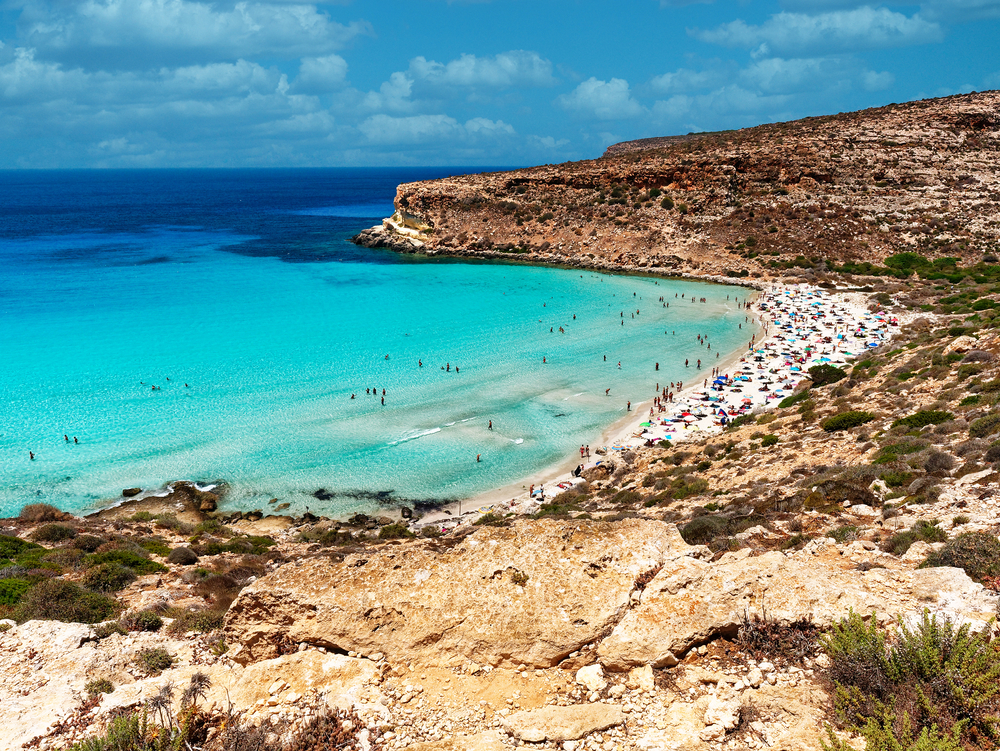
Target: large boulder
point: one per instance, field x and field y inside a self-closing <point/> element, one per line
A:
<point x="563" y="723"/>
<point x="529" y="594"/>
<point x="691" y="602"/>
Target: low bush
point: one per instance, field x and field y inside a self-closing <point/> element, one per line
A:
<point x="88" y="543"/>
<point x="182" y="556"/>
<point x="768" y="440"/>
<point x="40" y="512"/>
<point x="936" y="687"/>
<point x="397" y="531"/>
<point x="128" y="558"/>
<point x="892" y="452"/>
<point x="11" y="590"/>
<point x="14" y="548"/>
<point x="58" y="600"/>
<point x="976" y="553"/>
<point x="492" y="520"/>
<point x="703" y="529"/>
<point x="924" y="531"/>
<point x="53" y="533"/>
<point x="99" y="686"/>
<point x="742" y="420"/>
<point x="846" y="420"/>
<point x="821" y="375"/>
<point x="144" y="620"/>
<point x="154" y="660"/>
<point x="766" y="638"/>
<point x="108" y="577"/>
<point x="788" y="401"/>
<point x="843" y="534"/>
<point x="923" y="418"/>
<point x="196" y="620"/>
<point x="939" y="461"/>
<point x="985" y="426"/>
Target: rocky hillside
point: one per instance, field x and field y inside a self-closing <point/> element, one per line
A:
<point x="772" y="200"/>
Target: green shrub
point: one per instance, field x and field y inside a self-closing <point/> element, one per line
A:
<point x="768" y="440"/>
<point x="138" y="563"/>
<point x="196" y="620"/>
<point x="843" y="534"/>
<point x="99" y="686"/>
<point x="900" y="542"/>
<point x="108" y="577"/>
<point x="144" y="620"/>
<point x="923" y="418"/>
<point x="57" y="600"/>
<point x="788" y="401"/>
<point x="492" y="520"/>
<point x="141" y="516"/>
<point x="154" y="545"/>
<point x="969" y="400"/>
<point x="40" y="512"/>
<point x="53" y="533"/>
<point x="934" y="676"/>
<point x="104" y="630"/>
<point x="703" y="529"/>
<point x="667" y="203"/>
<point x="977" y="553"/>
<point x="88" y="543"/>
<point x="985" y="426"/>
<point x="892" y="452"/>
<point x="846" y="420"/>
<point x="182" y="556"/>
<point x="153" y="660"/>
<point x="824" y="374"/>
<point x="742" y="420"/>
<point x="12" y="548"/>
<point x="893" y="479"/>
<point x="395" y="531"/>
<point x="11" y="590"/>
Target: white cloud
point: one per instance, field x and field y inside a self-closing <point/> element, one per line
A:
<point x="393" y="95"/>
<point x="321" y="74"/>
<point x="506" y="70"/>
<point x="436" y="130"/>
<point x="684" y="79"/>
<point x="603" y="100"/>
<point x="137" y="33"/>
<point x="837" y="31"/>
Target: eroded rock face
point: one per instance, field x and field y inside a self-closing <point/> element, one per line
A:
<point x="530" y="594"/>
<point x="690" y="601"/>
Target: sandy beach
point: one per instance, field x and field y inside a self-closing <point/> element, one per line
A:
<point x="793" y="327"/>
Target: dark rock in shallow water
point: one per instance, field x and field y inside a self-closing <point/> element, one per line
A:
<point x="309" y="518"/>
<point x="323" y="494"/>
<point x="406" y="512"/>
<point x="129" y="492"/>
<point x="254" y="516"/>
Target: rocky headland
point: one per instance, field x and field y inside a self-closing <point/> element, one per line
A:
<point x="823" y="570"/>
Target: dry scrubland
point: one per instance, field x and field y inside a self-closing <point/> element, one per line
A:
<point x="824" y="573"/>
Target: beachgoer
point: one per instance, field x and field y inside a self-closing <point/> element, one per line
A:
<point x="607" y="392"/>
<point x="628" y="406"/>
<point x="685" y="363"/>
<point x="31" y="455"/>
<point x="657" y="366"/>
<point x="478" y="457"/>
<point x="383" y="401"/>
<point x="75" y="439"/>
<point x="368" y="391"/>
<point x="490" y="426"/>
<point x="383" y="392"/>
<point x="619" y="365"/>
<point x="448" y="368"/>
<point x="386" y="357"/>
<point x="352" y="396"/>
<point x="456" y="368"/>
<point x="420" y="363"/>
<point x="543" y="360"/>
<point x="66" y="437"/>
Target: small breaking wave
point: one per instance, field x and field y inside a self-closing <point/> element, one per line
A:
<point x="414" y="435"/>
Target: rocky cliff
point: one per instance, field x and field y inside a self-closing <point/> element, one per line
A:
<point x="765" y="201"/>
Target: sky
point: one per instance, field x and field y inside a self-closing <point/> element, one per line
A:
<point x="183" y="83"/>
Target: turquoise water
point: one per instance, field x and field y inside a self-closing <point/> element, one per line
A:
<point x="264" y="347"/>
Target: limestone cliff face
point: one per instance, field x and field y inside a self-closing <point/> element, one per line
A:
<point x="921" y="176"/>
<point x="529" y="594"/>
<point x="534" y="593"/>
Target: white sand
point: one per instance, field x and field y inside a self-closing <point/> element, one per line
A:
<point x="801" y="327"/>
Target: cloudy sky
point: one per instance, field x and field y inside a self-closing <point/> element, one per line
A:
<point x="183" y="83"/>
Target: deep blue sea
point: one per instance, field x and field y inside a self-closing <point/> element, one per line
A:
<point x="213" y="325"/>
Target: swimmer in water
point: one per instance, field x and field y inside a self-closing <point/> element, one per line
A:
<point x="607" y="392"/>
<point x="66" y="438"/>
<point x="420" y="363"/>
<point x="31" y="455"/>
